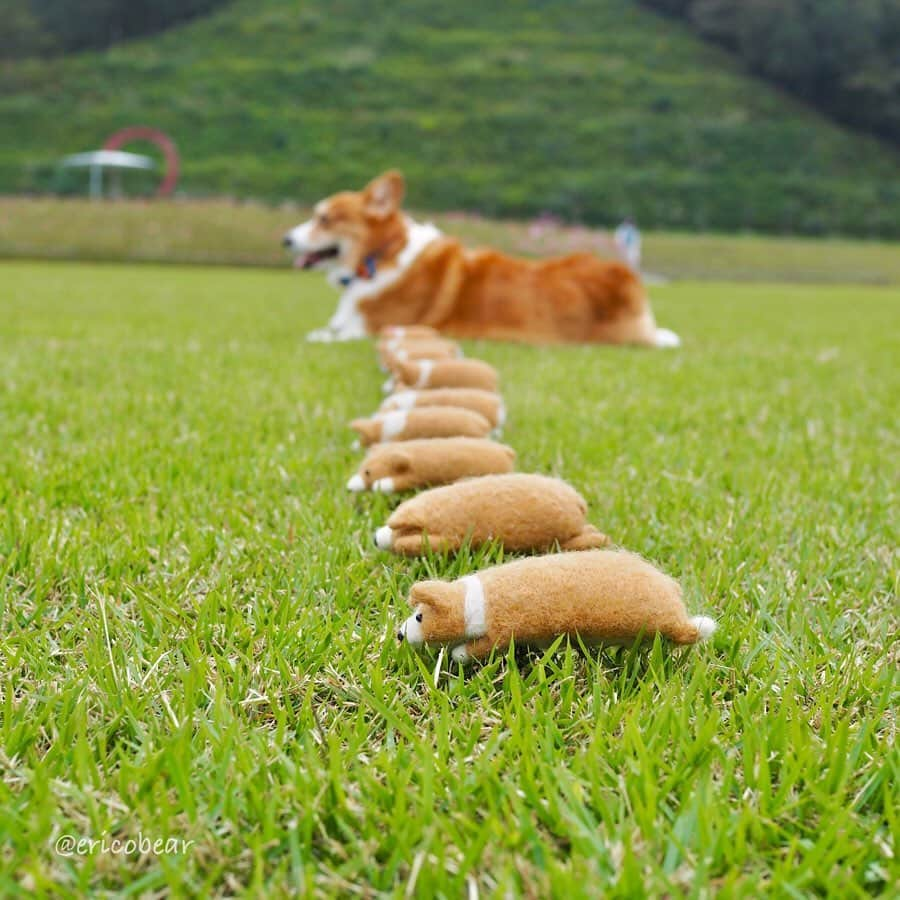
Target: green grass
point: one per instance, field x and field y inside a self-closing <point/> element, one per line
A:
<point x="197" y="636"/>
<point x="223" y="232"/>
<point x="591" y="109"/>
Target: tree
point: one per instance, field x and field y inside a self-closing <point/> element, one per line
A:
<point x="842" y="56"/>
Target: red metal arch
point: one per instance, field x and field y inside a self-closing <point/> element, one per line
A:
<point x="155" y="136"/>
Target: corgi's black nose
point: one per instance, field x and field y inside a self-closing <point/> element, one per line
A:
<point x="286" y="241"/>
<point x="399" y="635"/>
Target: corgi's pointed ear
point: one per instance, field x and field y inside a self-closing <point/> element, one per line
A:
<point x="384" y="194"/>
<point x="401" y="463"/>
<point x="428" y="593"/>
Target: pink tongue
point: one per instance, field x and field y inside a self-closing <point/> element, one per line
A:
<point x="301" y="261"/>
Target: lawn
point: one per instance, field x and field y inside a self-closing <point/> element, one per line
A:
<point x="198" y="635"/>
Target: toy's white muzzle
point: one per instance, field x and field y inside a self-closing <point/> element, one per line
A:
<point x="411" y="631"/>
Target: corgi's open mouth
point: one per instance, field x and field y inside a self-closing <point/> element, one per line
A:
<point x="308" y="260"/>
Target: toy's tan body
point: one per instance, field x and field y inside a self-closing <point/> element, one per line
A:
<point x="392" y="353"/>
<point x="522" y="512"/>
<point x="489" y="404"/>
<point x="600" y="596"/>
<point x="445" y="373"/>
<point x="428" y="422"/>
<point x="404" y="465"/>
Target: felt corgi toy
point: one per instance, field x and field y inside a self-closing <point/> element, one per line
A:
<point x="408" y="332"/>
<point x="437" y="343"/>
<point x="600" y="596"/>
<point x="401" y="466"/>
<point x="489" y="404"/>
<point x="444" y="373"/>
<point x="522" y="512"/>
<point x="428" y="422"/>
<point x="412" y="351"/>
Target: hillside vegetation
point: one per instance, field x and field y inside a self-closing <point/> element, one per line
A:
<point x="591" y="109"/>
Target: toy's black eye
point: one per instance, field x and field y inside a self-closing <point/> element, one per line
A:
<point x="418" y="617"/>
<point x="367" y="472"/>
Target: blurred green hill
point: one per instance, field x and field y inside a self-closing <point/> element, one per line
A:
<point x="588" y="109"/>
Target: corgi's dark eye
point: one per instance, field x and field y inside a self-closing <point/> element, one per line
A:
<point x="418" y="617"/>
<point x="324" y="220"/>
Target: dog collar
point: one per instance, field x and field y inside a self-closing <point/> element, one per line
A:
<point x="366" y="270"/>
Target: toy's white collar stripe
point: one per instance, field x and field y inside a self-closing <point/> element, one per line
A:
<point x="392" y="424"/>
<point x="475" y="612"/>
<point x="404" y="400"/>
<point x="425" y="367"/>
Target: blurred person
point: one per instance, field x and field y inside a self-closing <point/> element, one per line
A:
<point x="628" y="242"/>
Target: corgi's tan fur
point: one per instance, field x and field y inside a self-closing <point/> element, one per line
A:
<point x="396" y="272"/>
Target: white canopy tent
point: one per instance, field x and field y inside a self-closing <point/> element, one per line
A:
<point x="98" y="160"/>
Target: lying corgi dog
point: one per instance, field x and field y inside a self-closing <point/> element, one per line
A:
<point x="392" y="270"/>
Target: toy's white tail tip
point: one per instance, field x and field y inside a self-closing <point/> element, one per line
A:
<point x="666" y="339"/>
<point x="705" y="627"/>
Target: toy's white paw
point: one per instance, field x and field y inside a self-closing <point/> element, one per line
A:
<point x="666" y="339"/>
<point x="383" y="485"/>
<point x="356" y="445"/>
<point x="384" y="537"/>
<point x="320" y="336"/>
<point x="460" y="655"/>
<point x="356" y="484"/>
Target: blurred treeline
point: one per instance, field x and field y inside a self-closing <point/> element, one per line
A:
<point x="842" y="56"/>
<point x="42" y="27"/>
